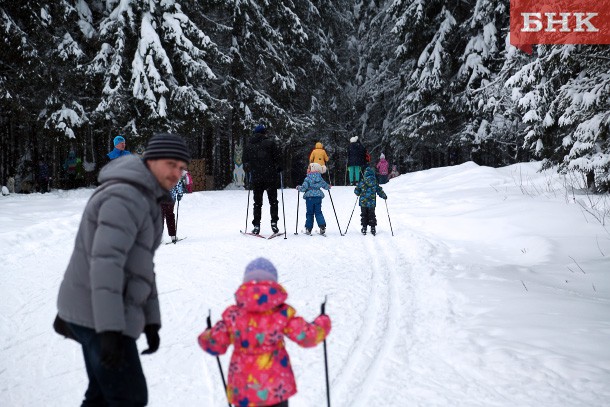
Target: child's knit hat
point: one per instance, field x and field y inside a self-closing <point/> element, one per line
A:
<point x="353" y="139"/>
<point x="315" y="167"/>
<point x="382" y="156"/>
<point x="260" y="269"/>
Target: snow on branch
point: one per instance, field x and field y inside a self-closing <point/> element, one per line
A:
<point x="67" y="118"/>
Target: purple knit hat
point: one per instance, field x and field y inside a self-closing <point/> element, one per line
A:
<point x="260" y="269"/>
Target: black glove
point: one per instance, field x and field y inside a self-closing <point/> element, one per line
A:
<point x="179" y="197"/>
<point x="152" y="337"/>
<point x="111" y="344"/>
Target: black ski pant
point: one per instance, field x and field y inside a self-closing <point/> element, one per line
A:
<point x="367" y="216"/>
<point x="167" y="209"/>
<point x="258" y="203"/>
<point x="124" y="386"/>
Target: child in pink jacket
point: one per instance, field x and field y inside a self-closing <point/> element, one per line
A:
<point x="382" y="168"/>
<point x="260" y="373"/>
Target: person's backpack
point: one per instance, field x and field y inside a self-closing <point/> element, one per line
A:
<point x="187" y="181"/>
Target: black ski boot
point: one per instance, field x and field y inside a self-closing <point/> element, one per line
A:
<point x="373" y="231"/>
<point x="308" y="232"/>
<point x="256" y="230"/>
<point x="274" y="227"/>
<point x="322" y="230"/>
<point x="363" y="230"/>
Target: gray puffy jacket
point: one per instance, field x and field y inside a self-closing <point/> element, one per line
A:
<point x="109" y="284"/>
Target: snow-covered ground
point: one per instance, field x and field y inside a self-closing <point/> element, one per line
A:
<point x="493" y="291"/>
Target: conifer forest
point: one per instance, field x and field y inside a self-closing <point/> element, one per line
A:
<point x="428" y="83"/>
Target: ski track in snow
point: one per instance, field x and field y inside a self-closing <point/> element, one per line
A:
<point x="383" y="321"/>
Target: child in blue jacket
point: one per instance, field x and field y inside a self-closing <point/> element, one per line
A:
<point x="313" y="197"/>
<point x="367" y="189"/>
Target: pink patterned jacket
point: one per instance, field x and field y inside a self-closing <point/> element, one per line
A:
<point x="260" y="373"/>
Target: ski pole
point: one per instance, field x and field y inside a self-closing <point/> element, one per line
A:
<point x="323" y="312"/>
<point x="177" y="214"/>
<point x="296" y="226"/>
<point x="248" y="205"/>
<point x="222" y="375"/>
<point x="350" y="216"/>
<point x="386" y="208"/>
<point x="283" y="210"/>
<point x="332" y="203"/>
<point x="336" y="217"/>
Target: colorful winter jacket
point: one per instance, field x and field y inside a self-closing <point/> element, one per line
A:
<point x="318" y="155"/>
<point x="383" y="166"/>
<point x="178" y="190"/>
<point x="260" y="373"/>
<point x="367" y="188"/>
<point x="312" y="184"/>
<point x="70" y="164"/>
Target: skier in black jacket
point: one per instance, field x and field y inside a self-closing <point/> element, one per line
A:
<point x="262" y="163"/>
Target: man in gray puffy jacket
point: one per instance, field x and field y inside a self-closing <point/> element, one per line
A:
<point x="108" y="296"/>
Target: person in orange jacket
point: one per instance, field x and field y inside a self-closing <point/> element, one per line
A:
<point x="318" y="155"/>
<point x="260" y="373"/>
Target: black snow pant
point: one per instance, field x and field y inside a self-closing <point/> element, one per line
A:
<point x="123" y="386"/>
<point x="367" y="216"/>
<point x="258" y="203"/>
<point x="167" y="209"/>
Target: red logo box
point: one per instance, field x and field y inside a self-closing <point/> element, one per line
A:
<point x="559" y="22"/>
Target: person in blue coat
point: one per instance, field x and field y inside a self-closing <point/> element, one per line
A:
<point x="119" y="148"/>
<point x="312" y="188"/>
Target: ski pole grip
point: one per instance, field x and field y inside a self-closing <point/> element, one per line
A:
<point x="323" y="307"/>
<point x="209" y="319"/>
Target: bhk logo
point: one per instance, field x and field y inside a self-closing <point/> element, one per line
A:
<point x="559" y="22"/>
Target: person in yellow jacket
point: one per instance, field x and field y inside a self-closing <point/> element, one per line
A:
<point x="318" y="155"/>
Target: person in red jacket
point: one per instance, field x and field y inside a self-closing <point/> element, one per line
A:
<point x="260" y="373"/>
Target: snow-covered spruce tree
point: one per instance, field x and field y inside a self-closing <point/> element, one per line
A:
<point x="153" y="65"/>
<point x="266" y="43"/>
<point x="563" y="99"/>
<point x="322" y="72"/>
<point x="18" y="55"/>
<point x="427" y="30"/>
<point x="478" y="96"/>
<point x="377" y="84"/>
<point x="580" y="113"/>
<point x="43" y="88"/>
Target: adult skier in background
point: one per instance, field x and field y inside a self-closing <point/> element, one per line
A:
<point x="356" y="159"/>
<point x="119" y="148"/>
<point x="108" y="295"/>
<point x="262" y="164"/>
